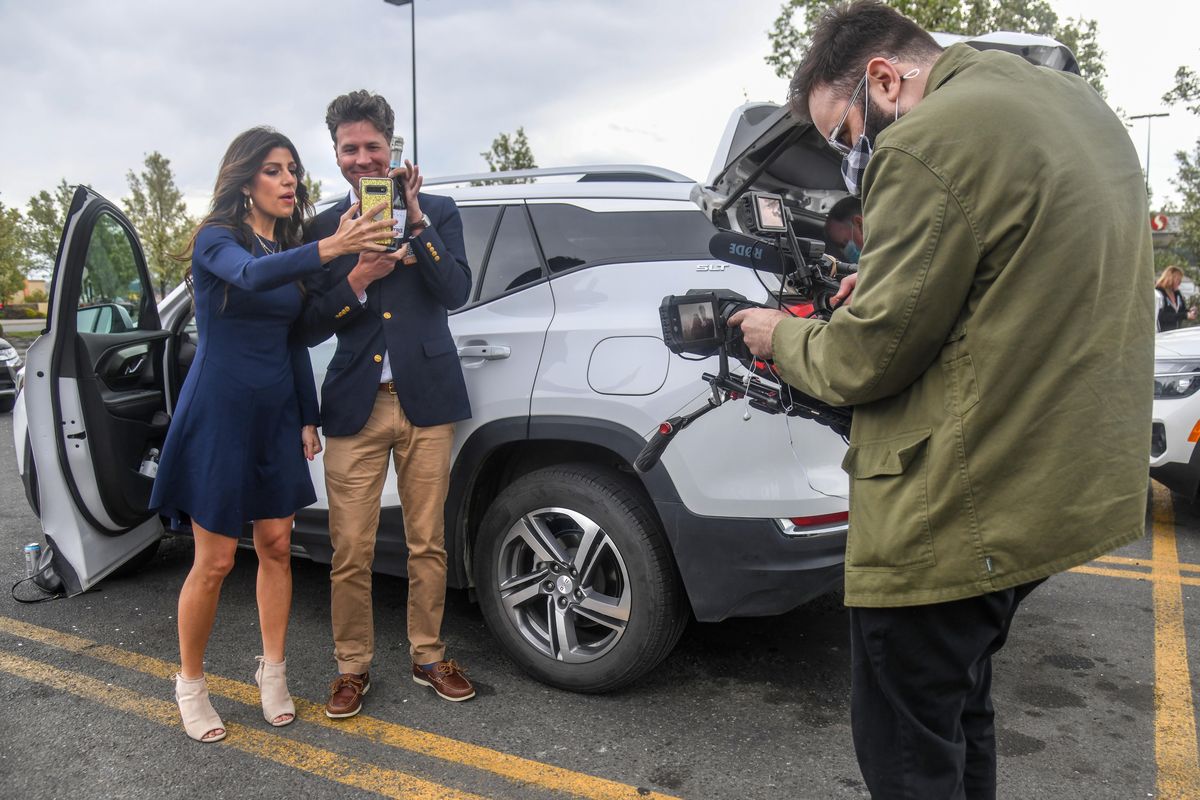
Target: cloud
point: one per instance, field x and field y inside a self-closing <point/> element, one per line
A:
<point x="90" y="88"/>
<point x="98" y="86"/>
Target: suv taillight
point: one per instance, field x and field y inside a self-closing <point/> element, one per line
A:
<point x="815" y="525"/>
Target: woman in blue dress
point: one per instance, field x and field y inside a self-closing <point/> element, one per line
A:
<point x="247" y="414"/>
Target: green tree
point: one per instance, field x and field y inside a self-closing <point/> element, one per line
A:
<point x="45" y="216"/>
<point x="789" y="34"/>
<point x="12" y="252"/>
<point x="314" y="188"/>
<point x="110" y="271"/>
<point x="1186" y="92"/>
<point x="155" y="207"/>
<point x="509" y="153"/>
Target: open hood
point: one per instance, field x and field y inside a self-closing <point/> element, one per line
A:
<point x="764" y="148"/>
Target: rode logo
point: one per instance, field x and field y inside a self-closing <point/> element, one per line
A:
<point x="745" y="251"/>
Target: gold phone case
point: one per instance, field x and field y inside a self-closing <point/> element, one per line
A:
<point x="376" y="192"/>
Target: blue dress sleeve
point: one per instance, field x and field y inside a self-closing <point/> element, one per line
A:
<point x="218" y="252"/>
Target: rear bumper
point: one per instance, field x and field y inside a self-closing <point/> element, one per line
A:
<point x="747" y="567"/>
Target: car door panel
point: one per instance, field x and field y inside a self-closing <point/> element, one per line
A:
<point x="95" y="397"/>
<point x="501" y="335"/>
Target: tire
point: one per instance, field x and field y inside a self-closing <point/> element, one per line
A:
<point x="613" y="619"/>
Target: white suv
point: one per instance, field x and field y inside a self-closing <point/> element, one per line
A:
<point x="586" y="570"/>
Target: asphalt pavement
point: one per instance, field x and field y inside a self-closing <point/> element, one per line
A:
<point x="754" y="708"/>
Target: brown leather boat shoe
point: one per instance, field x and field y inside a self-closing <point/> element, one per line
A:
<point x="447" y="679"/>
<point x="346" y="695"/>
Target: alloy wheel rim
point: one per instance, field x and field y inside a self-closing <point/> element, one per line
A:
<point x="564" y="585"/>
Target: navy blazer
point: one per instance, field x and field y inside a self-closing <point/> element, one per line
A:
<point x="404" y="316"/>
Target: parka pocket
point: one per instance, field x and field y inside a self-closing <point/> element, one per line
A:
<point x="889" y="513"/>
<point x="962" y="389"/>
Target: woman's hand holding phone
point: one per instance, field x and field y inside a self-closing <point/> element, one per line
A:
<point x="355" y="234"/>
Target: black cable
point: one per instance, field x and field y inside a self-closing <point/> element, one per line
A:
<point x="48" y="596"/>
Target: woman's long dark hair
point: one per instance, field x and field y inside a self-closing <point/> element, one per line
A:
<point x="230" y="207"/>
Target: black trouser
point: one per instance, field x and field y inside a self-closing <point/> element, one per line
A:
<point x="921" y="705"/>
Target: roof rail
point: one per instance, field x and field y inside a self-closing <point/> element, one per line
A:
<point x="596" y="172"/>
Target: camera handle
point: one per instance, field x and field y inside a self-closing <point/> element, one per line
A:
<point x="662" y="437"/>
<point x="724" y="387"/>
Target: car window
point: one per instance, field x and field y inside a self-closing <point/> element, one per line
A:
<point x="111" y="293"/>
<point x="513" y="260"/>
<point x="573" y="237"/>
<point x="478" y="224"/>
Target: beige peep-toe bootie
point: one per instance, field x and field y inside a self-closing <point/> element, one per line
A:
<point x="271" y="678"/>
<point x="200" y="720"/>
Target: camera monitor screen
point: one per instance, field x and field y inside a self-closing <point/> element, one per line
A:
<point x="768" y="213"/>
<point x="696" y="321"/>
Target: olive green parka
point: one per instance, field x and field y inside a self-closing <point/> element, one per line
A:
<point x="998" y="351"/>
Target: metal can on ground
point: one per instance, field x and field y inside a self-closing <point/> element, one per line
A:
<point x="33" y="552"/>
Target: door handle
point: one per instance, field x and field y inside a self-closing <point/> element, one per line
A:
<point x="488" y="352"/>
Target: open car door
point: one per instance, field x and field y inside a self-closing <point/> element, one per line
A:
<point x="94" y="396"/>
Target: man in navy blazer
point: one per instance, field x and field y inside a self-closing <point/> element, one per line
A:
<point x="394" y="388"/>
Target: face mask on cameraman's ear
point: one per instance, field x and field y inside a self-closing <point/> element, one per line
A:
<point x="851" y="252"/>
<point x="854" y="163"/>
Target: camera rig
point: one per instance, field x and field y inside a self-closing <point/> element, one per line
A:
<point x="697" y="323"/>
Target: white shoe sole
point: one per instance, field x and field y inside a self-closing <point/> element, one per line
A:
<point x="423" y="682"/>
<point x="348" y="714"/>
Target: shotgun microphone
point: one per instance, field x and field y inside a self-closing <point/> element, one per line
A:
<point x="745" y="251"/>
<point x="748" y="251"/>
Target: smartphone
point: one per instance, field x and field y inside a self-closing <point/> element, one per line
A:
<point x="377" y="196"/>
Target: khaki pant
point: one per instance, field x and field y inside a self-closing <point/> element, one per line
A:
<point x="355" y="468"/>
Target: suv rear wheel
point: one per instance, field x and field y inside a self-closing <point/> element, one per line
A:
<point x="575" y="579"/>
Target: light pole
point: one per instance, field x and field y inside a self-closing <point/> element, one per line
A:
<point x="412" y="8"/>
<point x="1149" y="118"/>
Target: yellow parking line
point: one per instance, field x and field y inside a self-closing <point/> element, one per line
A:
<point x="1175" y="717"/>
<point x="1174" y="579"/>
<point x="1145" y="562"/>
<point x="323" y="763"/>
<point x="508" y="766"/>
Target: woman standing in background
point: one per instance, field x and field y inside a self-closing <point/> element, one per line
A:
<point x="246" y="419"/>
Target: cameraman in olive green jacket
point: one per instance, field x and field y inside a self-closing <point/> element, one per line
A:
<point x="999" y="357"/>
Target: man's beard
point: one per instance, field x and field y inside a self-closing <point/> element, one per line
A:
<point x="876" y="120"/>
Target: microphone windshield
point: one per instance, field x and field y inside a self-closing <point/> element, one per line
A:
<point x="745" y="251"/>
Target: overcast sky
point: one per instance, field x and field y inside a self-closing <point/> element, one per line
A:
<point x="89" y="88"/>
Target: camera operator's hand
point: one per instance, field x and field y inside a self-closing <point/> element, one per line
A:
<point x="844" y="291"/>
<point x="758" y="326"/>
